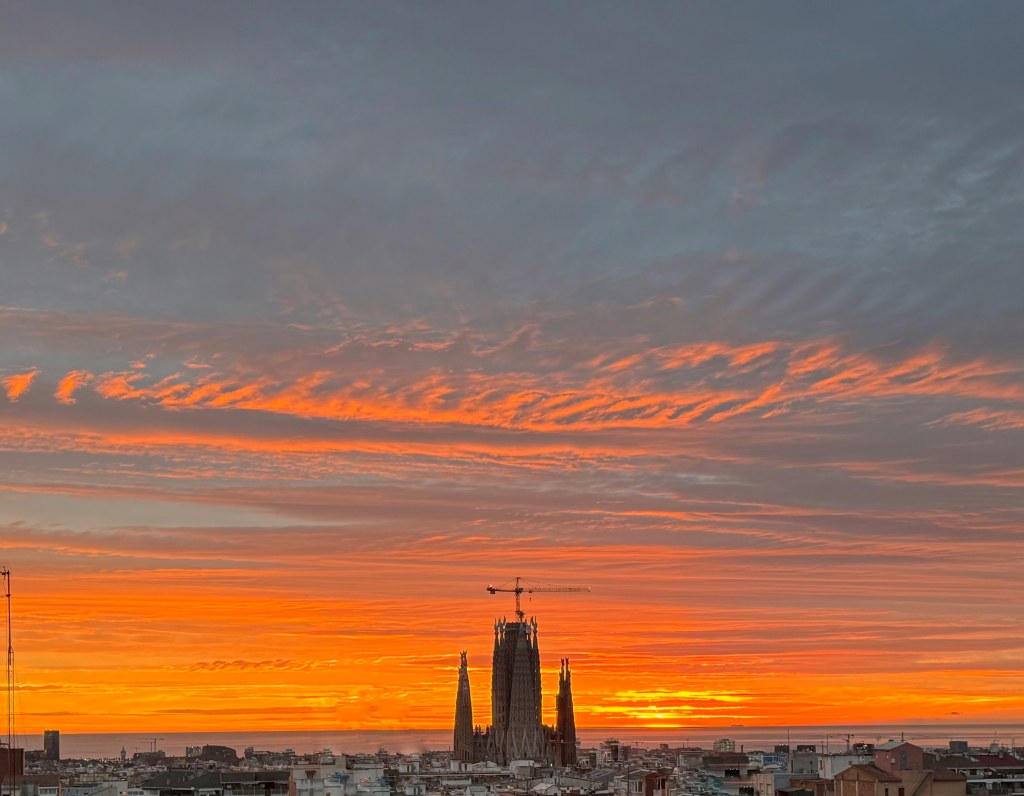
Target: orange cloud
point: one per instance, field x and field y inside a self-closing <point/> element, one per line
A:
<point x="17" y="384"/>
<point x="620" y="391"/>
<point x="992" y="419"/>
<point x="69" y="384"/>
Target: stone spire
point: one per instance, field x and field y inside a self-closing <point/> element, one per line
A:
<point x="463" y="746"/>
<point x="565" y="726"/>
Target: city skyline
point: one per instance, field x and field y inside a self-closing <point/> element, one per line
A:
<point x="318" y="318"/>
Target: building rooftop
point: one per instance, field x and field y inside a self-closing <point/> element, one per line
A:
<point x="872" y="771"/>
<point x="885" y="747"/>
<point x="999" y="761"/>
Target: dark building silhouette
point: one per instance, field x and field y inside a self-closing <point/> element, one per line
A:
<point x="219" y="754"/>
<point x="516" y="727"/>
<point x="51" y="745"/>
<point x="516" y="731"/>
<point x="565" y="723"/>
<point x="12" y="763"/>
<point x="463" y="748"/>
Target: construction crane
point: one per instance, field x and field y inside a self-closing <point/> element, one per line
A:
<point x="519" y="589"/>
<point x="152" y="744"/>
<point x="847" y="736"/>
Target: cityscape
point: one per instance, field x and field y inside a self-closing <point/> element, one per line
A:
<point x="512" y="397"/>
<point x="517" y="755"/>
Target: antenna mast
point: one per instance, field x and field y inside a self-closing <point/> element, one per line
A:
<point x="6" y="574"/>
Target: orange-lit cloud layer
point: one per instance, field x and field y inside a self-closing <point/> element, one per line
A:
<point x="309" y="334"/>
<point x="302" y="536"/>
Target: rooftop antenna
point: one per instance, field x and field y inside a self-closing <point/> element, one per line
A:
<point x="519" y="588"/>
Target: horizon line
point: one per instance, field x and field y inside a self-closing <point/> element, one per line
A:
<point x="620" y="729"/>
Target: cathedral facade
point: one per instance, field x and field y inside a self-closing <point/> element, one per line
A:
<point x="517" y="731"/>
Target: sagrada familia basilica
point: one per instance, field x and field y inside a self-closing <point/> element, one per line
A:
<point x="516" y="731"/>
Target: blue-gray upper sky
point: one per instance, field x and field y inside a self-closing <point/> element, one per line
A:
<point x="790" y="168"/>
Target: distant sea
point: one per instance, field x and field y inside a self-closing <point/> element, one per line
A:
<point x="98" y="745"/>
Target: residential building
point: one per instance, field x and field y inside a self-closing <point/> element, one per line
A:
<point x="831" y="764"/>
<point x="999" y="775"/>
<point x="898" y="769"/>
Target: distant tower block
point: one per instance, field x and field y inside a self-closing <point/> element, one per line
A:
<point x="463" y="747"/>
<point x="565" y="726"/>
<point x="51" y="744"/>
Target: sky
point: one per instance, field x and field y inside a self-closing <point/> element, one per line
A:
<point x="317" y="318"/>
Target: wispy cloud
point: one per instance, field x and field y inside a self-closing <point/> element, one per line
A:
<point x="17" y="384"/>
<point x="69" y="384"/>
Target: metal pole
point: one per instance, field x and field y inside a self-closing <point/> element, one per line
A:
<point x="9" y="685"/>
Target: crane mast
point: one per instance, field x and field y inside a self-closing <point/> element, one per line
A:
<point x="519" y="589"/>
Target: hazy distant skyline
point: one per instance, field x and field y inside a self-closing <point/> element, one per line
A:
<point x="317" y="318"/>
<point x="831" y="737"/>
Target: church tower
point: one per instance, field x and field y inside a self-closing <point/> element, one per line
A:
<point x="565" y="724"/>
<point x="463" y="746"/>
<point x="516" y="694"/>
<point x="516" y="731"/>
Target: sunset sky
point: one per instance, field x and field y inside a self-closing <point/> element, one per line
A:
<point x="317" y="318"/>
